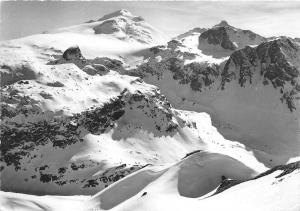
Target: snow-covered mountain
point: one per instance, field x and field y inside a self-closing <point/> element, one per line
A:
<point x="122" y="25"/>
<point x="258" y="84"/>
<point x="222" y="39"/>
<point x="57" y="143"/>
<point x="99" y="109"/>
<point x="194" y="31"/>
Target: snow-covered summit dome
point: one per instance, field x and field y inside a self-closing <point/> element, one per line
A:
<point x="120" y="24"/>
<point x="122" y="12"/>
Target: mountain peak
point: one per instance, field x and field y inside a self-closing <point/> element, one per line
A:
<point x="223" y="23"/>
<point x="122" y="12"/>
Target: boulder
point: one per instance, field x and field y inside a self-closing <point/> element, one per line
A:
<point x="72" y="53"/>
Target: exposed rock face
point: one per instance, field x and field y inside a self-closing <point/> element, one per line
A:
<point x="198" y="76"/>
<point x="223" y="23"/>
<point x="276" y="61"/>
<point x="96" y="66"/>
<point x="10" y="75"/>
<point x="222" y="39"/>
<point x="26" y="140"/>
<point x="72" y="53"/>
<point x="218" y="36"/>
<point x="107" y="27"/>
<point x="286" y="169"/>
<point x="173" y="44"/>
<point x="62" y="131"/>
<point x="226" y="184"/>
<point x="266" y="77"/>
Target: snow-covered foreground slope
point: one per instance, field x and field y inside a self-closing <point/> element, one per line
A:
<point x="267" y="193"/>
<point x="199" y="181"/>
<point x="23" y="202"/>
<point x="194" y="176"/>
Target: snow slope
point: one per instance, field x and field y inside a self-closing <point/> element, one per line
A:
<point x="160" y="188"/>
<point x="194" y="31"/>
<point x="23" y="202"/>
<point x="282" y="194"/>
<point x="193" y="177"/>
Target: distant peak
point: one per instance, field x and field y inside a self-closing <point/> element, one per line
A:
<point x="122" y="12"/>
<point x="222" y="24"/>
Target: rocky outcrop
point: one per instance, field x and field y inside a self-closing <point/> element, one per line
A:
<point x="227" y="37"/>
<point x="226" y="184"/>
<point x="273" y="63"/>
<point x="48" y="128"/>
<point x="223" y="23"/>
<point x="24" y="142"/>
<point x="173" y="44"/>
<point x="277" y="62"/>
<point x="199" y="76"/>
<point x="72" y="53"/>
<point x="107" y="27"/>
<point x="97" y="66"/>
<point x="286" y="169"/>
<point x="218" y="36"/>
<point x="10" y="75"/>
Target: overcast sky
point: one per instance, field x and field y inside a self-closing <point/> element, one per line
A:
<point x="19" y="19"/>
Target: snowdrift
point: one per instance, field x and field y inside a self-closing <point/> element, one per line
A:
<point x="245" y="196"/>
<point x="194" y="176"/>
<point x="155" y="188"/>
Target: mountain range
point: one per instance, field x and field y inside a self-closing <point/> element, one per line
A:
<point x="110" y="114"/>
